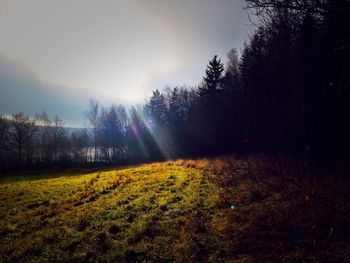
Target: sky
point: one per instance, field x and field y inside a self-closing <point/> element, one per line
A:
<point x="56" y="54"/>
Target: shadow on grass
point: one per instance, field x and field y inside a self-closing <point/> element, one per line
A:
<point x="50" y="174"/>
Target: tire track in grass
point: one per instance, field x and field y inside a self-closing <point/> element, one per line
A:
<point x="157" y="217"/>
<point x="195" y="234"/>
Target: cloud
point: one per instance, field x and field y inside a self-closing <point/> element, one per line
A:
<point x="201" y="29"/>
<point x="58" y="54"/>
<point x="21" y="90"/>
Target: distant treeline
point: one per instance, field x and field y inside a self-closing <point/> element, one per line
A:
<point x="287" y="93"/>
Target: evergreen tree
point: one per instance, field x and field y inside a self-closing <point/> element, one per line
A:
<point x="158" y="126"/>
<point x="212" y="78"/>
<point x="157" y="109"/>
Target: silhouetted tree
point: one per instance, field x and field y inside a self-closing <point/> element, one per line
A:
<point x="230" y="101"/>
<point x="79" y="141"/>
<point x="59" y="138"/>
<point x="92" y="115"/>
<point x="45" y="133"/>
<point x="112" y="134"/>
<point x="138" y="137"/>
<point x="231" y="77"/>
<point x="157" y="109"/>
<point x="22" y="131"/>
<point x="4" y="136"/>
<point x="306" y="55"/>
<point x="213" y="79"/>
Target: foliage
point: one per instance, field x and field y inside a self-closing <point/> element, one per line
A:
<point x="213" y="79"/>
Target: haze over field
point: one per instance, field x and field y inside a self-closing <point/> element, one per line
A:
<point x="59" y="54"/>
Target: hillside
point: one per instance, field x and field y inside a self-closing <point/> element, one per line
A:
<point x="221" y="210"/>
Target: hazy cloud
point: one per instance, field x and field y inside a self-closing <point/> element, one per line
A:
<point x="23" y="91"/>
<point x="115" y="51"/>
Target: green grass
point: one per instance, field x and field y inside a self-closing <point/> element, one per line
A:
<point x="130" y="214"/>
<point x="220" y="210"/>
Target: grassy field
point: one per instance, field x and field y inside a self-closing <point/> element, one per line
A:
<point x="221" y="210"/>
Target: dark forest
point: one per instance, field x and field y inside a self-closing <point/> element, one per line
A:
<point x="288" y="93"/>
<point x="250" y="165"/>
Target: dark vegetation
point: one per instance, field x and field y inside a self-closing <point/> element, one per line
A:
<point x="281" y="108"/>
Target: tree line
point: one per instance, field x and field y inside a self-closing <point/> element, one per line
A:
<point x="287" y="92"/>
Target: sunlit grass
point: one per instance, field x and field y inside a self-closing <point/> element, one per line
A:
<point x="135" y="213"/>
<point x="218" y="210"/>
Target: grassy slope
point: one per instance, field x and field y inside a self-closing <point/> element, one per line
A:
<point x="131" y="213"/>
<point x="185" y="211"/>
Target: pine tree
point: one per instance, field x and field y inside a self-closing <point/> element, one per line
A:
<point x="212" y="78"/>
<point x="157" y="108"/>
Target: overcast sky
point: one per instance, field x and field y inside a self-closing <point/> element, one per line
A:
<point x="57" y="54"/>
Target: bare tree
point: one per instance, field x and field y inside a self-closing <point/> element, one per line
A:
<point x="79" y="140"/>
<point x="23" y="129"/>
<point x="92" y="115"/>
<point x="44" y="124"/>
<point x="4" y="132"/>
<point x="59" y="137"/>
<point x="233" y="62"/>
<point x="319" y="7"/>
